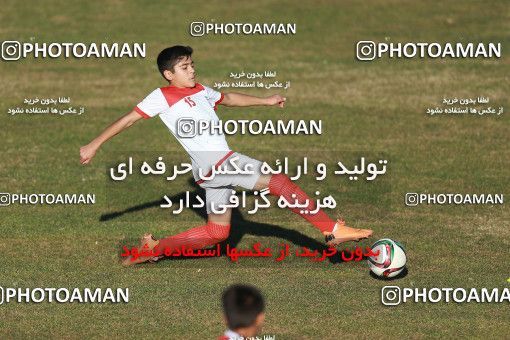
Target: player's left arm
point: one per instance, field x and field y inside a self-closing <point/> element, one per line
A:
<point x="239" y="99"/>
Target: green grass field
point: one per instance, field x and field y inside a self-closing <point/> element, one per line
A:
<point x="372" y="108"/>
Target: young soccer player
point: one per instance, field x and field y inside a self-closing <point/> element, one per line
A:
<point x="243" y="309"/>
<point x="184" y="98"/>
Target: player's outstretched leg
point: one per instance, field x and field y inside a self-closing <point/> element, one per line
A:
<point x="335" y="232"/>
<point x="195" y="238"/>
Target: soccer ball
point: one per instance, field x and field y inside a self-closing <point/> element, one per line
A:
<point x="391" y="259"/>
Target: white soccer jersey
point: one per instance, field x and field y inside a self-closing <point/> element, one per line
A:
<point x="179" y="108"/>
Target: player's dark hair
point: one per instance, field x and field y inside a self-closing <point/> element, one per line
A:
<point x="241" y="305"/>
<point x="170" y="56"/>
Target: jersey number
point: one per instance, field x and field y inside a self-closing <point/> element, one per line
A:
<point x="190" y="102"/>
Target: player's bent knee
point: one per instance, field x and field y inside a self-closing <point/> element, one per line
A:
<point x="278" y="182"/>
<point x="262" y="182"/>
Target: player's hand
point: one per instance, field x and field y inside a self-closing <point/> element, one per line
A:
<point x="276" y="100"/>
<point x="87" y="152"/>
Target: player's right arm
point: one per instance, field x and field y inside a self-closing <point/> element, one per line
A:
<point x="87" y="152"/>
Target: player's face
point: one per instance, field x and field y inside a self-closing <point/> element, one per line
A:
<point x="184" y="73"/>
<point x="259" y="321"/>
